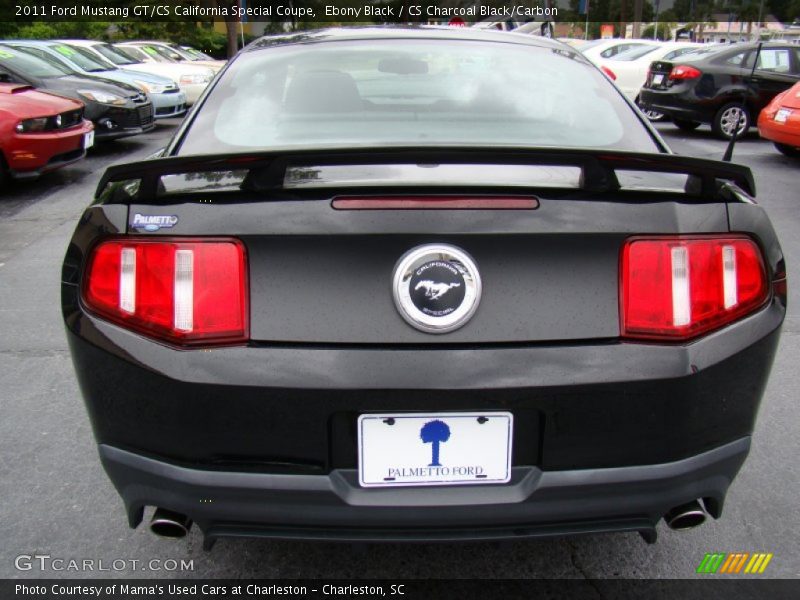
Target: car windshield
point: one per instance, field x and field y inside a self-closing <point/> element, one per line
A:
<point x="80" y="57"/>
<point x="18" y="59"/>
<point x="114" y="55"/>
<point x="143" y="53"/>
<point x="634" y="53"/>
<point x="591" y="44"/>
<point x="166" y="53"/>
<point x="384" y="93"/>
<point x="196" y="54"/>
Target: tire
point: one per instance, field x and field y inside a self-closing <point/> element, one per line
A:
<point x="724" y="121"/>
<point x="652" y="115"/>
<point x="685" y="125"/>
<point x="4" y="177"/>
<point x="787" y="150"/>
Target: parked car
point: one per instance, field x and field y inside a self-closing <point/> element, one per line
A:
<point x="197" y="54"/>
<point x="502" y="309"/>
<point x="116" y="109"/>
<point x="192" y="79"/>
<point x="779" y="122"/>
<point x="174" y="53"/>
<point x="709" y="85"/>
<point x="39" y="132"/>
<point x="629" y="69"/>
<point x="168" y="100"/>
<point x="598" y="50"/>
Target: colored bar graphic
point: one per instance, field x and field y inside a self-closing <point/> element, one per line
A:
<point x="724" y="563"/>
<point x="711" y="563"/>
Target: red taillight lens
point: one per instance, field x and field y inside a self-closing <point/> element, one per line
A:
<point x="679" y="288"/>
<point x="684" y="72"/>
<point x="184" y="292"/>
<point x="609" y="72"/>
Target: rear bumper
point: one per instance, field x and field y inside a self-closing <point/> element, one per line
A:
<point x="783" y="133"/>
<point x="334" y="507"/>
<point x="679" y="105"/>
<point x="261" y="441"/>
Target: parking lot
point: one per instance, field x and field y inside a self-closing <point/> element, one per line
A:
<point x="57" y="501"/>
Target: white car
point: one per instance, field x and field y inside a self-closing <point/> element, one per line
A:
<point x="599" y="50"/>
<point x="629" y="69"/>
<point x="177" y="54"/>
<point x="191" y="79"/>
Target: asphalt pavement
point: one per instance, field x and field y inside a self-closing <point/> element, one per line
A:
<point x="57" y="501"/>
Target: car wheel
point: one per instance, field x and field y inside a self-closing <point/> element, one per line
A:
<point x="685" y="125"/>
<point x="3" y="172"/>
<point x="726" y="119"/>
<point x="788" y="150"/>
<point x="652" y="115"/>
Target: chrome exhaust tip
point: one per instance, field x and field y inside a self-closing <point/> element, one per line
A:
<point x="686" y="516"/>
<point x="166" y="523"/>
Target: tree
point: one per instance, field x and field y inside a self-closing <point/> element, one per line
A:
<point x="433" y="433"/>
<point x="231" y="25"/>
<point x="664" y="31"/>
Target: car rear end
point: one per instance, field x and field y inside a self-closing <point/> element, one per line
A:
<point x="779" y="122"/>
<point x="463" y="338"/>
<point x="672" y="88"/>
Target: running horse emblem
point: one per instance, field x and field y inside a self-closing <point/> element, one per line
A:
<point x="435" y="291"/>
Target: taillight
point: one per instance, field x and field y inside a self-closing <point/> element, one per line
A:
<point x="684" y="72"/>
<point x="680" y="288"/>
<point x="609" y="72"/>
<point x="183" y="292"/>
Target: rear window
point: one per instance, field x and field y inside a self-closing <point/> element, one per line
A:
<point x="380" y="93"/>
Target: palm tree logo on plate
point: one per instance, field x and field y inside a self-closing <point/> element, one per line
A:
<point x="434" y="433"/>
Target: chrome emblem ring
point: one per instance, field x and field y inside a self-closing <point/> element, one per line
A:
<point x="436" y="287"/>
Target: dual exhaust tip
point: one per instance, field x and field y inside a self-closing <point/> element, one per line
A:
<point x="170" y="524"/>
<point x="686" y="516"/>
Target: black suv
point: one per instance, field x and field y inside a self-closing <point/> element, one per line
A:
<point x="709" y="85"/>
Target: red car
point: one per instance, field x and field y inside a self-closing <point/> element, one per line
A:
<point x="779" y="122"/>
<point x="39" y="132"/>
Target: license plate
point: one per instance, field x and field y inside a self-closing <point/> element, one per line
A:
<point x="782" y="115"/>
<point x="434" y="449"/>
<point x="658" y="78"/>
<point x="88" y="140"/>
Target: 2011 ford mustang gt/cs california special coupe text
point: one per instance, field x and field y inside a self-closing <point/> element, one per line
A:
<point x="421" y="284"/>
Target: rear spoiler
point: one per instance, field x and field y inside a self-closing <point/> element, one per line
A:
<point x="598" y="167"/>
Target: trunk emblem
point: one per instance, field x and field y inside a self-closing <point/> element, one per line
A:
<point x="436" y="288"/>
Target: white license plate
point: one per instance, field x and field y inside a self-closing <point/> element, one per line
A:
<point x="658" y="78"/>
<point x="434" y="449"/>
<point x="782" y="115"/>
<point x="88" y="140"/>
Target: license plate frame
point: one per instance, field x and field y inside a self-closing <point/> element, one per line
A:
<point x="393" y="451"/>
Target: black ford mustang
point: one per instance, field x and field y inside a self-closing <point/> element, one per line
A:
<point x="421" y="285"/>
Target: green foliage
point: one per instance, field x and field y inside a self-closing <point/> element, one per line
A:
<point x="664" y="31"/>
